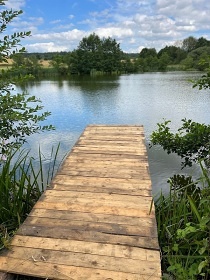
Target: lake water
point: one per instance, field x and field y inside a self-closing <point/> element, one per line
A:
<point x="140" y="99"/>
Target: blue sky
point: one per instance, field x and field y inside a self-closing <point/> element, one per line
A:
<point x="59" y="25"/>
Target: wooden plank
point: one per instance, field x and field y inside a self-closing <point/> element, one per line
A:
<point x="96" y="208"/>
<point x="57" y="195"/>
<point x="112" y="132"/>
<point x="132" y="174"/>
<point x="90" y="217"/>
<point x="103" y="142"/>
<point x="71" y="161"/>
<point x="112" y="158"/>
<point x="129" y="201"/>
<point x="111" y="228"/>
<point x="86" y="260"/>
<point x="113" y="138"/>
<point x="109" y="150"/>
<point x="119" y="251"/>
<point x="108" y="167"/>
<point x="66" y="272"/>
<point x="124" y="129"/>
<point x="90" y="236"/>
<point x="97" y="155"/>
<point x="108" y="189"/>
<point x="102" y="182"/>
<point x="107" y="173"/>
<point x="118" y="126"/>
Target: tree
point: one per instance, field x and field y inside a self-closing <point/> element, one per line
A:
<point x="164" y="61"/>
<point x="89" y="54"/>
<point x="95" y="54"/>
<point x="20" y="114"/>
<point x="188" y="63"/>
<point x="145" y="52"/>
<point x="58" y="63"/>
<point x="174" y="53"/>
<point x="202" y="42"/>
<point x="189" y="44"/>
<point x="111" y="55"/>
<point x="25" y="65"/>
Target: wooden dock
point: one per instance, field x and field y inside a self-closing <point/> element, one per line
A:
<point x="94" y="221"/>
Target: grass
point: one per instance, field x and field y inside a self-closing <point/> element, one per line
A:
<point x="21" y="184"/>
<point x="183" y="219"/>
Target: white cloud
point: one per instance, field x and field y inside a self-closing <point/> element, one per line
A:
<point x="116" y="32"/>
<point x="30" y="24"/>
<point x="15" y="4"/>
<point x="71" y="35"/>
<point x="55" y="21"/>
<point x="57" y="41"/>
<point x="45" y="47"/>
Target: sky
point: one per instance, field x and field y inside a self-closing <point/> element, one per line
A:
<point x="59" y="25"/>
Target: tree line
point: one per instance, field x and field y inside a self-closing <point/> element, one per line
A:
<point x="95" y="55"/>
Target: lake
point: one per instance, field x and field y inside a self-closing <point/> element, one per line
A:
<point x="140" y="99"/>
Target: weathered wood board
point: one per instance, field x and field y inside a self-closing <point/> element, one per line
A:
<point x="94" y="222"/>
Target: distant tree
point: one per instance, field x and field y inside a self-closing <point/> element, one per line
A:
<point x="164" y="61"/>
<point x="111" y="55"/>
<point x="95" y="54"/>
<point x="141" y="63"/>
<point x="59" y="64"/>
<point x="145" y="52"/>
<point x="148" y="60"/>
<point x="188" y="63"/>
<point x="129" y="65"/>
<point x="175" y="54"/>
<point x="26" y="65"/>
<point x="194" y="59"/>
<point x="89" y="54"/>
<point x="189" y="44"/>
<point x="202" y="42"/>
<point x="72" y="62"/>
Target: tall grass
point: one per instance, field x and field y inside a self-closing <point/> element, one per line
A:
<point x="22" y="181"/>
<point x="183" y="219"/>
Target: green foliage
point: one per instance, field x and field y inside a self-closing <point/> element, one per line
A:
<point x="95" y="54"/>
<point x="197" y="59"/>
<point x="175" y="54"/>
<point x="59" y="64"/>
<point x="202" y="42"/>
<point x="189" y="44"/>
<point x="18" y="119"/>
<point x="204" y="81"/>
<point x="145" y="52"/>
<point x="183" y="227"/>
<point x="23" y="66"/>
<point x="190" y="142"/>
<point x="19" y="114"/>
<point x="22" y="181"/>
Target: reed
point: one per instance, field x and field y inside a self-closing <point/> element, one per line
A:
<point x="22" y="181"/>
<point x="183" y="219"/>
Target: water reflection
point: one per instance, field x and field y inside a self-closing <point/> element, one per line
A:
<point x="127" y="99"/>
